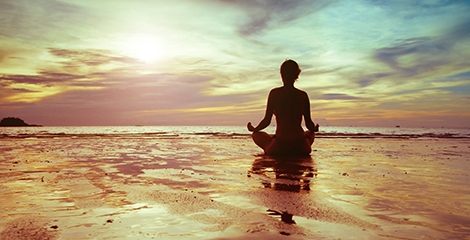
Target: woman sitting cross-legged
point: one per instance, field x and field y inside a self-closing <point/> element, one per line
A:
<point x="289" y="104"/>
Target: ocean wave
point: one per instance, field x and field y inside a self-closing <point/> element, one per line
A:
<point x="398" y="136"/>
<point x="223" y="135"/>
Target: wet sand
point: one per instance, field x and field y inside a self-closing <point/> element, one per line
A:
<point x="210" y="188"/>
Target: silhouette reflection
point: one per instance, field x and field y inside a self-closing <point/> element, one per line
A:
<point x="291" y="174"/>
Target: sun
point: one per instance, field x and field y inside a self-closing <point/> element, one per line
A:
<point x="144" y="48"/>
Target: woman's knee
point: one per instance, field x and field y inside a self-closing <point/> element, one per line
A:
<point x="262" y="139"/>
<point x="310" y="136"/>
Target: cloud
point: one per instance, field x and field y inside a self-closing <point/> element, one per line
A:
<point x="73" y="65"/>
<point x="421" y="53"/>
<point x="146" y="99"/>
<point x="33" y="20"/>
<point x="339" y="96"/>
<point x="90" y="57"/>
<point x="265" y="14"/>
<point x="460" y="31"/>
<point x="415" y="56"/>
<point x="44" y="78"/>
<point x="415" y="66"/>
<point x="68" y="70"/>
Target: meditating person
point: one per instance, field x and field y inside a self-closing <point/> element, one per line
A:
<point x="289" y="104"/>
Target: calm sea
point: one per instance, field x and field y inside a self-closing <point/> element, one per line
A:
<point x="222" y="132"/>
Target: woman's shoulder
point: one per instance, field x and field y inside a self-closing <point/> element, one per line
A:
<point x="280" y="90"/>
<point x="276" y="90"/>
<point x="300" y="92"/>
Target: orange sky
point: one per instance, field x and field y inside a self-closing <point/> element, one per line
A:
<point x="213" y="62"/>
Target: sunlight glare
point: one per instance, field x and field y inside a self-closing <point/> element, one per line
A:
<point x="146" y="49"/>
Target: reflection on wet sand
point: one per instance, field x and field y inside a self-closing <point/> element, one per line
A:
<point x="291" y="174"/>
<point x="293" y="193"/>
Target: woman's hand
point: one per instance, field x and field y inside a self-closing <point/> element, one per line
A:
<point x="250" y="127"/>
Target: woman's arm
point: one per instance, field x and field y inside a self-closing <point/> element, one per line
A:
<point x="307" y="117"/>
<point x="267" y="116"/>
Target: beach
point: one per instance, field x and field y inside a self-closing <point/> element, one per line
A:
<point x="220" y="186"/>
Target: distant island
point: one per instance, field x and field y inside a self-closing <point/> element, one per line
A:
<point x="15" y="122"/>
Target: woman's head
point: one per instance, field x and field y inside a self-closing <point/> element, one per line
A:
<point x="290" y="71"/>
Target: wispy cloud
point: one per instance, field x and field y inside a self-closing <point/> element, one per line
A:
<point x="44" y="78"/>
<point x="90" y="57"/>
<point x="265" y="14"/>
<point x="28" y="19"/>
<point x="338" y="96"/>
<point x="155" y="98"/>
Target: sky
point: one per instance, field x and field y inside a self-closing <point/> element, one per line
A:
<point x="213" y="62"/>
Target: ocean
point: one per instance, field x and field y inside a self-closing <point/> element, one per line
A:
<point x="182" y="132"/>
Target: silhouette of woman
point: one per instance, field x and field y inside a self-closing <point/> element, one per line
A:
<point x="289" y="104"/>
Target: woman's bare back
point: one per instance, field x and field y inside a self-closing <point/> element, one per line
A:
<point x="288" y="104"/>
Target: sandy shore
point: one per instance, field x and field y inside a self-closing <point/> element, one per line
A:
<point x="146" y="188"/>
